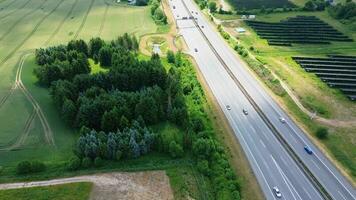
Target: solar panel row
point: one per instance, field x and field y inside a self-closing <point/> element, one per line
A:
<point x="336" y="70"/>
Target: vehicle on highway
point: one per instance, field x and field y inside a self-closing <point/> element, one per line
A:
<point x="174" y="7"/>
<point x="185" y="18"/>
<point x="245" y="111"/>
<point x="308" y="149"/>
<point x="195" y="49"/>
<point x="277" y="192"/>
<point x="191" y="17"/>
<point x="282" y="120"/>
<point x="202" y="26"/>
<point x="228" y="107"/>
<point x="196" y="13"/>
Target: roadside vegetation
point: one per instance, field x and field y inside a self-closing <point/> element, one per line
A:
<point x="70" y="191"/>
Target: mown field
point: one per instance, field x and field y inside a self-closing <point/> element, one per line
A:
<point x="70" y="191"/>
<point x="27" y="25"/>
<point x="314" y="94"/>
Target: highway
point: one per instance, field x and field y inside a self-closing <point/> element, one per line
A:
<point x="270" y="158"/>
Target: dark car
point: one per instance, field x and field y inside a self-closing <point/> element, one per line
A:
<point x="245" y="111"/>
<point x="308" y="149"/>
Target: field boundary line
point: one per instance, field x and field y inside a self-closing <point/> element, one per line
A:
<point x="26" y="15"/>
<point x="16" y="10"/>
<point x="84" y="20"/>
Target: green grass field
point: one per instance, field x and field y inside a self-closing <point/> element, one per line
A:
<point x="40" y="23"/>
<point x="70" y="191"/>
<point x="314" y="94"/>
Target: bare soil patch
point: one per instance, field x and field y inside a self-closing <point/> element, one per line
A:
<point x="115" y="186"/>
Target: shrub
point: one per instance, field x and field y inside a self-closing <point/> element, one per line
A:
<point x="170" y="56"/>
<point x="98" y="162"/>
<point x="37" y="166"/>
<point x="74" y="164"/>
<point x="203" y="167"/>
<point x="86" y="163"/>
<point x="212" y="6"/>
<point x="23" y="167"/>
<point x="322" y="133"/>
<point x="175" y="150"/>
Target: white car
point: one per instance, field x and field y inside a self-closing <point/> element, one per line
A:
<point x="228" y="107"/>
<point x="282" y="120"/>
<point x="277" y="192"/>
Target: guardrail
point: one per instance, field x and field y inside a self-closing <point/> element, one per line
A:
<point x="270" y="125"/>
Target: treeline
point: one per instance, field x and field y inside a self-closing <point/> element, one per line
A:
<point x="157" y="13"/>
<point x="346" y="11"/>
<point x="200" y="138"/>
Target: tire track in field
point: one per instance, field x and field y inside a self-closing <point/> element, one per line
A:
<point x="84" y="20"/>
<point x="61" y="24"/>
<point x="26" y="15"/>
<point x="104" y="19"/>
<point x="23" y="137"/>
<point x="29" y="35"/>
<point x="16" y="10"/>
<point x="46" y="128"/>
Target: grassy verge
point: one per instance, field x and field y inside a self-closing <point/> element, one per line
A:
<point x="71" y="191"/>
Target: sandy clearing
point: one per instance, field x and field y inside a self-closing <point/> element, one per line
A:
<point x="115" y="186"/>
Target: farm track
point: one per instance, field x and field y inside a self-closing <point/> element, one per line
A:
<point x="18" y="83"/>
<point x="104" y="19"/>
<point x="17" y="9"/>
<point x="46" y="128"/>
<point x="84" y="20"/>
<point x="26" y="15"/>
<point x="61" y="24"/>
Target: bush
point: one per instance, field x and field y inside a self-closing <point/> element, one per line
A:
<point x="86" y="163"/>
<point x="23" y="167"/>
<point x="37" y="166"/>
<point x="175" y="150"/>
<point x="74" y="164"/>
<point x="322" y="133"/>
<point x="203" y="167"/>
<point x="98" y="162"/>
<point x="170" y="56"/>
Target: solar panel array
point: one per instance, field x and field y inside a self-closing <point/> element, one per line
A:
<point x="299" y="29"/>
<point x="336" y="70"/>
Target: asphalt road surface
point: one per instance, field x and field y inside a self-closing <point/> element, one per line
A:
<point x="270" y="161"/>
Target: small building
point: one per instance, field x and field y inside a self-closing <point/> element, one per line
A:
<point x="243" y="17"/>
<point x="240" y="30"/>
<point x="156" y="49"/>
<point x="252" y="17"/>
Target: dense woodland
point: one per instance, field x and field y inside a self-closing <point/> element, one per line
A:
<point x="115" y="110"/>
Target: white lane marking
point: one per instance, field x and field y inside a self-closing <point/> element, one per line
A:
<point x="316" y="164"/>
<point x="280" y="171"/>
<point x="341" y="195"/>
<point x="307" y="193"/>
<point x="263" y="144"/>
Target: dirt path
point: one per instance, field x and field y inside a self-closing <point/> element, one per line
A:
<point x="122" y="185"/>
<point x="330" y="122"/>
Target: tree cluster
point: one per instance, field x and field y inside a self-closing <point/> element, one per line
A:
<point x="315" y="5"/>
<point x="131" y="142"/>
<point x="157" y="14"/>
<point x="345" y="11"/>
<point x="26" y="167"/>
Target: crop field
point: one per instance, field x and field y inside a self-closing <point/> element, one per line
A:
<point x="30" y="126"/>
<point x="257" y="4"/>
<point x="336" y="70"/>
<point x="300" y="29"/>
